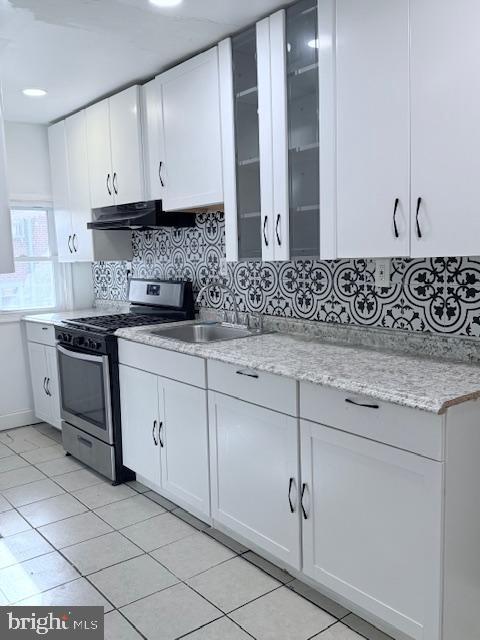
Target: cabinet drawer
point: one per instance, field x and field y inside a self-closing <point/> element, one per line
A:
<point x="410" y="429"/>
<point x="257" y="387"/>
<point x="169" y="364"/>
<point x="42" y="333"/>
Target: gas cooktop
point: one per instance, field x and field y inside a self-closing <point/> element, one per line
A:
<point x="110" y="323"/>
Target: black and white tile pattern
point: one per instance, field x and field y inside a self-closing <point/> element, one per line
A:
<point x="440" y="295"/>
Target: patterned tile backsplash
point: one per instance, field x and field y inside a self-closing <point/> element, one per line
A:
<point x="440" y="295"/>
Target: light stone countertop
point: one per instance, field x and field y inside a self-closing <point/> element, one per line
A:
<point x="418" y="382"/>
<point x="59" y="316"/>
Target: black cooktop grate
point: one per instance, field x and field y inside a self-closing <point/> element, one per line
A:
<point x="111" y="323"/>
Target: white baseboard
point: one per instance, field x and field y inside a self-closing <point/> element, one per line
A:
<point x="18" y="419"/>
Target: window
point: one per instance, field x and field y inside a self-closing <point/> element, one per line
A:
<point x="32" y="285"/>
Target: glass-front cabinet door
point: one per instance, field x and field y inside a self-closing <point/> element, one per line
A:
<point x="269" y="85"/>
<point x="247" y="153"/>
<point x="303" y="128"/>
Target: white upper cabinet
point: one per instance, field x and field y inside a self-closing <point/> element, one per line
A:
<point x="99" y="154"/>
<point x="57" y="143"/>
<point x="445" y="94"/>
<point x="115" y="152"/>
<point x="69" y="162"/>
<point x="81" y="242"/>
<point x="372" y="92"/>
<point x="153" y="140"/>
<point x="127" y="151"/>
<point x="192" y="134"/>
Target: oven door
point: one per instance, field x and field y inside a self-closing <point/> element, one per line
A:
<point x="85" y="392"/>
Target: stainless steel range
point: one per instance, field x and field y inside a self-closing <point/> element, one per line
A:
<point x="88" y="368"/>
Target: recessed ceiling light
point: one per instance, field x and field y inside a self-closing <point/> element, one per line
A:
<point x="313" y="44"/>
<point x="165" y="3"/>
<point x="34" y="93"/>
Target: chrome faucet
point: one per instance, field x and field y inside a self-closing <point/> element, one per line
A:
<point x="217" y="283"/>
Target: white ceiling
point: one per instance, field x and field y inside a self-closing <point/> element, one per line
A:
<point x="81" y="50"/>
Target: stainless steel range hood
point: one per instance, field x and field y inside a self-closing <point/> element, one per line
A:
<point x="138" y="216"/>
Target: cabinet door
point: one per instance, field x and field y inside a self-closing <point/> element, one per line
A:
<point x="140" y="423"/>
<point x="265" y="139"/>
<point x="302" y="80"/>
<point x="191" y="111"/>
<point x="246" y="210"/>
<point x="60" y="187"/>
<point x="53" y="386"/>
<point x="76" y="133"/>
<point x="127" y="151"/>
<point x="184" y="445"/>
<point x="373" y="128"/>
<point x="373" y="525"/>
<point x="153" y="142"/>
<point x="278" y="86"/>
<point x="99" y="154"/>
<point x="445" y="94"/>
<point x="39" y="376"/>
<point x="254" y="475"/>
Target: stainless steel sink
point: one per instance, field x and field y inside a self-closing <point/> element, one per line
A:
<point x="206" y="332"/>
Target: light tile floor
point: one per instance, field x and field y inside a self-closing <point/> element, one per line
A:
<point x="68" y="537"/>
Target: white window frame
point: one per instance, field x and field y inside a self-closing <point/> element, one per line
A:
<point x="60" y="271"/>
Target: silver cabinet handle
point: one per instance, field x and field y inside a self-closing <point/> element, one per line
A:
<point x="45" y="386"/>
<point x="114" y="182"/>
<point x="74" y="244"/>
<point x="49" y="393"/>
<point x="153" y="433"/>
<point x="108" y="185"/>
<point x="69" y="245"/>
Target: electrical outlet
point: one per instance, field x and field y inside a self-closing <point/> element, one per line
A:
<point x="382" y="273"/>
<point x="223" y="270"/>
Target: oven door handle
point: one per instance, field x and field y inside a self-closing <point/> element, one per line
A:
<point x="80" y="356"/>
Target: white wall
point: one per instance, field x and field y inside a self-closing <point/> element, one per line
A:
<point x="28" y="173"/>
<point x="28" y="166"/>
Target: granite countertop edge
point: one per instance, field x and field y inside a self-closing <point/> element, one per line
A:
<point x="237" y="353"/>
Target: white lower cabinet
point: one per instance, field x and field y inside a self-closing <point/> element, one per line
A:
<point x="45" y="387"/>
<point x="254" y="475"/>
<point x="140" y="422"/>
<point x="372" y="527"/>
<point x="165" y="436"/>
<point x="184" y="445"/>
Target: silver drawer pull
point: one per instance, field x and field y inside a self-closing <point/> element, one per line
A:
<point x="87" y="443"/>
<point x="246" y="373"/>
<point x="362" y="404"/>
<point x="44" y="328"/>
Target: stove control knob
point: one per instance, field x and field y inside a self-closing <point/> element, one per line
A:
<point x="78" y="341"/>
